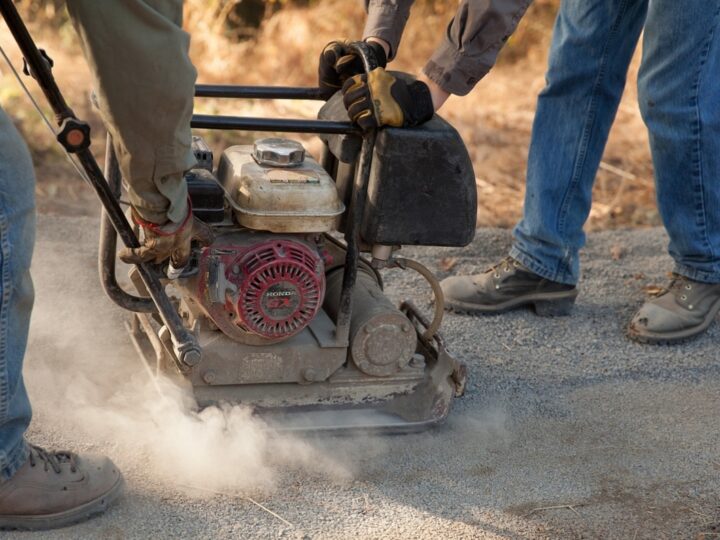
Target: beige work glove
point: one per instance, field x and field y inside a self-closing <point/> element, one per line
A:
<point x="380" y="99"/>
<point x="339" y="62"/>
<point x="169" y="241"/>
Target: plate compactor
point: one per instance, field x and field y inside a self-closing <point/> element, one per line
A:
<point x="285" y="310"/>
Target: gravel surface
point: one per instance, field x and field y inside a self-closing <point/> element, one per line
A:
<point x="567" y="430"/>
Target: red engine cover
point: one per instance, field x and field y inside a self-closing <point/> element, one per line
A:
<point x="282" y="288"/>
<point x="271" y="289"/>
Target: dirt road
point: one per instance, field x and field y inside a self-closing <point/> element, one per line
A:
<point x="567" y="430"/>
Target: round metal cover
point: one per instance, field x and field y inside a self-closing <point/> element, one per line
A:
<point x="281" y="289"/>
<point x="384" y="345"/>
<point x="277" y="152"/>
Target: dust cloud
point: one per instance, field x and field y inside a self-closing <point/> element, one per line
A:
<point x="90" y="392"/>
<point x="85" y="379"/>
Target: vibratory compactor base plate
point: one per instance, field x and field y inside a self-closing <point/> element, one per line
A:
<point x="332" y="395"/>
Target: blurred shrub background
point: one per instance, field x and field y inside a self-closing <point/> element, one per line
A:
<point x="278" y="42"/>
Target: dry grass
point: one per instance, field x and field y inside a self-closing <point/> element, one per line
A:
<point x="494" y="120"/>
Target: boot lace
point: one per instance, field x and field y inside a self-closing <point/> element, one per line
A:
<point x="506" y="265"/>
<point x="51" y="459"/>
<point x="677" y="283"/>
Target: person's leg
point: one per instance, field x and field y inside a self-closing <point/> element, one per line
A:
<point x="17" y="236"/>
<point x="38" y="489"/>
<point x="593" y="43"/>
<point x="679" y="94"/>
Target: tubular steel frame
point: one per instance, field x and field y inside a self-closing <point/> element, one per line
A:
<point x="186" y="348"/>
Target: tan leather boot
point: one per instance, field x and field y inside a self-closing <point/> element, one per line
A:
<point x="683" y="310"/>
<point x="56" y="489"/>
<point x="505" y="286"/>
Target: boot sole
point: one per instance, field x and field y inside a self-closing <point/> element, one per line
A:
<point x="557" y="304"/>
<point x="66" y="518"/>
<point x="674" y="338"/>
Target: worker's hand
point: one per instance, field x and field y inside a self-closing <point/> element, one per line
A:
<point x="338" y="62"/>
<point x="169" y="241"/>
<point x="380" y="99"/>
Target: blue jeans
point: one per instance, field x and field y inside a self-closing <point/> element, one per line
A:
<point x="17" y="236"/>
<point x="679" y="95"/>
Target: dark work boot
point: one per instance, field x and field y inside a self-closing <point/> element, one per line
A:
<point x="683" y="310"/>
<point x="56" y="489"/>
<point x="505" y="286"/>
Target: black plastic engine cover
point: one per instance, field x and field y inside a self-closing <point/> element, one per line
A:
<point x="206" y="196"/>
<point x="422" y="184"/>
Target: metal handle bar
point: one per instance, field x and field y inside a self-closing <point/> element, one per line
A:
<point x="362" y="176"/>
<point x="258" y="92"/>
<point x="204" y="121"/>
<point x="187" y="350"/>
<point x="356" y="214"/>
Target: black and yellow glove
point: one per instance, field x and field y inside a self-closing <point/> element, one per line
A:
<point x="381" y="99"/>
<point x="339" y="62"/>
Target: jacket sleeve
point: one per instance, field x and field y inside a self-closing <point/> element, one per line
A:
<point x="469" y="47"/>
<point x="386" y="20"/>
<point x="472" y="42"/>
<point x="144" y="83"/>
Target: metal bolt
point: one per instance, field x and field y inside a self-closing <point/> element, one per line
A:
<point x="405" y="327"/>
<point x="191" y="357"/>
<point x="417" y="361"/>
<point x="310" y="375"/>
<point x="209" y="376"/>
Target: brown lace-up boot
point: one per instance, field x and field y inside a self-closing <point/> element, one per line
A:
<point x="505" y="286"/>
<point x="683" y="310"/>
<point x="56" y="489"/>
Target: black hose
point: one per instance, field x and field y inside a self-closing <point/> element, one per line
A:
<point x="356" y="213"/>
